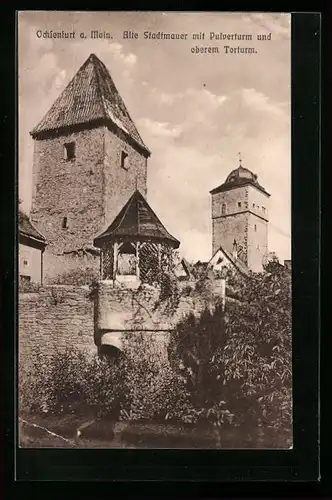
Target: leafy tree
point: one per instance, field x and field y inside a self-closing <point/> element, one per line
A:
<point x="193" y="351"/>
<point x="258" y="351"/>
<point x="244" y="359"/>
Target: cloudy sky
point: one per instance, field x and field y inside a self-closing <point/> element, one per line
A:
<point x="194" y="112"/>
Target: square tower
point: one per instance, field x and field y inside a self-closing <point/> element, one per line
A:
<point x="240" y="214"/>
<point x="88" y="160"/>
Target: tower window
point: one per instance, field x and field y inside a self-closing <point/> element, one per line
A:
<point x="263" y="209"/>
<point x="69" y="151"/>
<point x="245" y="204"/>
<point x="257" y="207"/>
<point x="255" y="227"/>
<point x="124" y="160"/>
<point x="253" y="205"/>
<point x="25" y="263"/>
<point x="223" y="208"/>
<point x="239" y="204"/>
<point x="64" y="223"/>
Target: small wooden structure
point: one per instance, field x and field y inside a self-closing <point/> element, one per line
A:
<point x="136" y="245"/>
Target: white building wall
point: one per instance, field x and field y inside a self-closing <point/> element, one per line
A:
<point x="30" y="263"/>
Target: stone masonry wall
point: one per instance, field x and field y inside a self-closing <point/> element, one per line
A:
<point x="54" y="318"/>
<point x="72" y="189"/>
<point x="88" y="191"/>
<point x="226" y="229"/>
<point x="120" y="183"/>
<point x="233" y="224"/>
<point x="247" y="223"/>
<point x="257" y="242"/>
<point x="257" y="228"/>
<point x="258" y="202"/>
<point x="231" y="199"/>
<point x="61" y="269"/>
<point x="121" y="310"/>
<point x="60" y="317"/>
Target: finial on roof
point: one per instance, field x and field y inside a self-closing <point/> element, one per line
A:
<point x="240" y="159"/>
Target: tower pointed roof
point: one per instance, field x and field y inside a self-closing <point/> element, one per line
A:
<point x="137" y="219"/>
<point x="91" y="97"/>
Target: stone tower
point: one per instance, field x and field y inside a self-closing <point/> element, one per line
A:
<point x="88" y="160"/>
<point x="240" y="215"/>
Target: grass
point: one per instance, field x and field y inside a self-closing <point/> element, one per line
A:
<point x="104" y="433"/>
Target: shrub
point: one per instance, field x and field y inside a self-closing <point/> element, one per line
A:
<point x="30" y="387"/>
<point x="151" y="388"/>
<point x="70" y="382"/>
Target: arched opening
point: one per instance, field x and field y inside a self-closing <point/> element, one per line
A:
<point x="223" y="208"/>
<point x="126" y="265"/>
<point x="111" y="346"/>
<point x="110" y="353"/>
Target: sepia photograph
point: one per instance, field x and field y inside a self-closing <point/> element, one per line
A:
<point x="154" y="231"/>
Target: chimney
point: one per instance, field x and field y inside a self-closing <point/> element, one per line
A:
<point x="234" y="250"/>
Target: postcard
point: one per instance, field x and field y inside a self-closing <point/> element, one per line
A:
<point x="155" y="264"/>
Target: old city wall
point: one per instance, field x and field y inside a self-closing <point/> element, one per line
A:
<point x="121" y="310"/>
<point x="68" y="268"/>
<point x="55" y="318"/>
<point x="60" y="317"/>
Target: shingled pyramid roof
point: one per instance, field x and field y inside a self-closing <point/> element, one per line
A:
<point x="137" y="219"/>
<point x="90" y="97"/>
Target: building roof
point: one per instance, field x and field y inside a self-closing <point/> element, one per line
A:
<point x="27" y="229"/>
<point x="136" y="219"/>
<point x="237" y="263"/>
<point x="90" y="97"/>
<point x="239" y="177"/>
